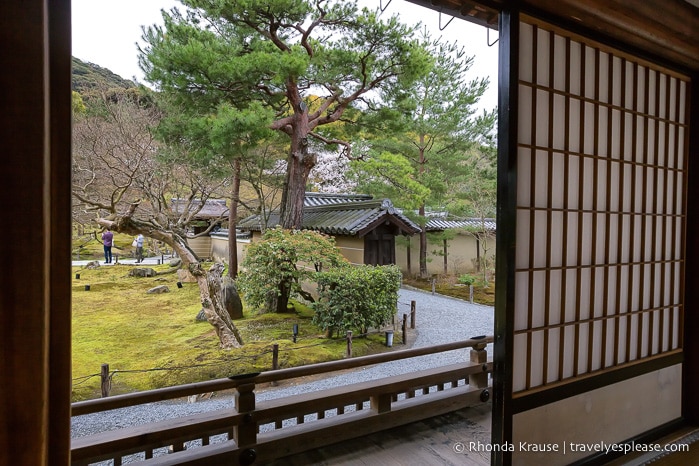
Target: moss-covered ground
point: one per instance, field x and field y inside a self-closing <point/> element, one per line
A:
<point x="448" y="285"/>
<point x="153" y="340"/>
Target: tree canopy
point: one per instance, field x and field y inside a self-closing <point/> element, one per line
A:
<point x="434" y="132"/>
<point x="293" y="66"/>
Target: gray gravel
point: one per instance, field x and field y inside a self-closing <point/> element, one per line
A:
<point x="439" y="320"/>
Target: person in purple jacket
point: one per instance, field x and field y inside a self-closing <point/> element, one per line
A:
<point x="107" y="238"/>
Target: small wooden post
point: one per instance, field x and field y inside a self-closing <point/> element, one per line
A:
<point x="349" y="343"/>
<point x="470" y="293"/>
<point x="405" y="329"/>
<point x="275" y="361"/>
<point x="116" y="258"/>
<point x="245" y="433"/>
<point x="275" y="357"/>
<point x="104" y="376"/>
<point x="479" y="356"/>
<point x="433" y="286"/>
<point x="412" y="314"/>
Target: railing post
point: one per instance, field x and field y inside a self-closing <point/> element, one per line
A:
<point x="349" y="343"/>
<point x="245" y="433"/>
<point x="405" y="329"/>
<point x="412" y="314"/>
<point x="381" y="403"/>
<point x="479" y="356"/>
<point x="275" y="361"/>
<point x="104" y="376"/>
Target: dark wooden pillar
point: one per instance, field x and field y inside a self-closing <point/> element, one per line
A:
<point x="507" y="226"/>
<point x="35" y="232"/>
<point x="690" y="376"/>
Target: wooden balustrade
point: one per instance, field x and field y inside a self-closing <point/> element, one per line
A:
<point x="261" y="431"/>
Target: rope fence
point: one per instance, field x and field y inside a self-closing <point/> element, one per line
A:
<point x="106" y="375"/>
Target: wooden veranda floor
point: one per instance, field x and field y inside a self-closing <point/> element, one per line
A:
<point x="686" y="436"/>
<point x="434" y="441"/>
<point x="438" y="441"/>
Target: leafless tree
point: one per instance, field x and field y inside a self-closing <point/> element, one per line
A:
<point x="120" y="183"/>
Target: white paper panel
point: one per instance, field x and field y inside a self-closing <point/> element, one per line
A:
<point x="555" y="283"/>
<point x="560" y="70"/>
<point x="521" y="300"/>
<point x="542" y="118"/>
<point x="559" y="121"/>
<point x="526" y="52"/>
<point x="597" y="337"/>
<point x="556" y="239"/>
<point x="538" y="299"/>
<point x="609" y="336"/>
<point x="617" y="81"/>
<point x="525" y="116"/>
<point x="583" y="334"/>
<point x="537" y="358"/>
<point x="553" y="355"/>
<point x="569" y="351"/>
<point x="520" y="350"/>
<point x="605" y="228"/>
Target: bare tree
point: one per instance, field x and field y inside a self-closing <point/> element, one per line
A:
<point x="118" y="179"/>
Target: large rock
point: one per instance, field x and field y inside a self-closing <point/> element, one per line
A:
<point x="201" y="317"/>
<point x="175" y="262"/>
<point x="159" y="289"/>
<point x="231" y="298"/>
<point x="142" y="272"/>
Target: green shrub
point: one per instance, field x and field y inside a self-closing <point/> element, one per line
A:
<point x="275" y="267"/>
<point x="356" y="298"/>
<point x="467" y="279"/>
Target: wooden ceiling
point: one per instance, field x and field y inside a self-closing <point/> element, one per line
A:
<point x="668" y="29"/>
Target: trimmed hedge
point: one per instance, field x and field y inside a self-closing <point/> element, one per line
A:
<point x="356" y="298"/>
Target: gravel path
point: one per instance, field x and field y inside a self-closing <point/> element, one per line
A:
<point x="439" y="320"/>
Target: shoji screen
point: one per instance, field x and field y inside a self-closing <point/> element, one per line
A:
<point x="600" y="209"/>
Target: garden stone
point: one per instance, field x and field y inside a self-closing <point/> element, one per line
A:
<point x="176" y="262"/>
<point x="231" y="298"/>
<point x="159" y="289"/>
<point x="201" y="317"/>
<point x="92" y="265"/>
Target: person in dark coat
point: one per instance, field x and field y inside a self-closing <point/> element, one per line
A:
<point x="107" y="240"/>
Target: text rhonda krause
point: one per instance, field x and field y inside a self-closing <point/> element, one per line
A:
<point x="574" y="447"/>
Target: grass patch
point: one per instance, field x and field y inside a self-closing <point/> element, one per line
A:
<point x="449" y="286"/>
<point x="89" y="245"/>
<point x="154" y="341"/>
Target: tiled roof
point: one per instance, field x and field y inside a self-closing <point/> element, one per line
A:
<point x="213" y="208"/>
<point x="439" y="224"/>
<point x="356" y="216"/>
<point x="318" y="199"/>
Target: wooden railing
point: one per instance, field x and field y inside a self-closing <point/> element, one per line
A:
<point x="255" y="432"/>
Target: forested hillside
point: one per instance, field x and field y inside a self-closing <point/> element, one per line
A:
<point x="87" y="76"/>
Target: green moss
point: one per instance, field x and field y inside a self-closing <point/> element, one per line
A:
<point x="153" y="341"/>
<point x="449" y="286"/>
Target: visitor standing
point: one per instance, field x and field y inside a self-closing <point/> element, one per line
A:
<point x="139" y="248"/>
<point x="107" y="241"/>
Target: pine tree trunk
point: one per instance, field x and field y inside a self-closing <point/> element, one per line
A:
<point x="233" y="222"/>
<point x="423" y="245"/>
<point x="300" y="163"/>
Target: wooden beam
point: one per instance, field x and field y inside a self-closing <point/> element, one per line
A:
<point x="34" y="232"/>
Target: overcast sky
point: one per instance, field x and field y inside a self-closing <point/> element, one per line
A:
<point x="105" y="32"/>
